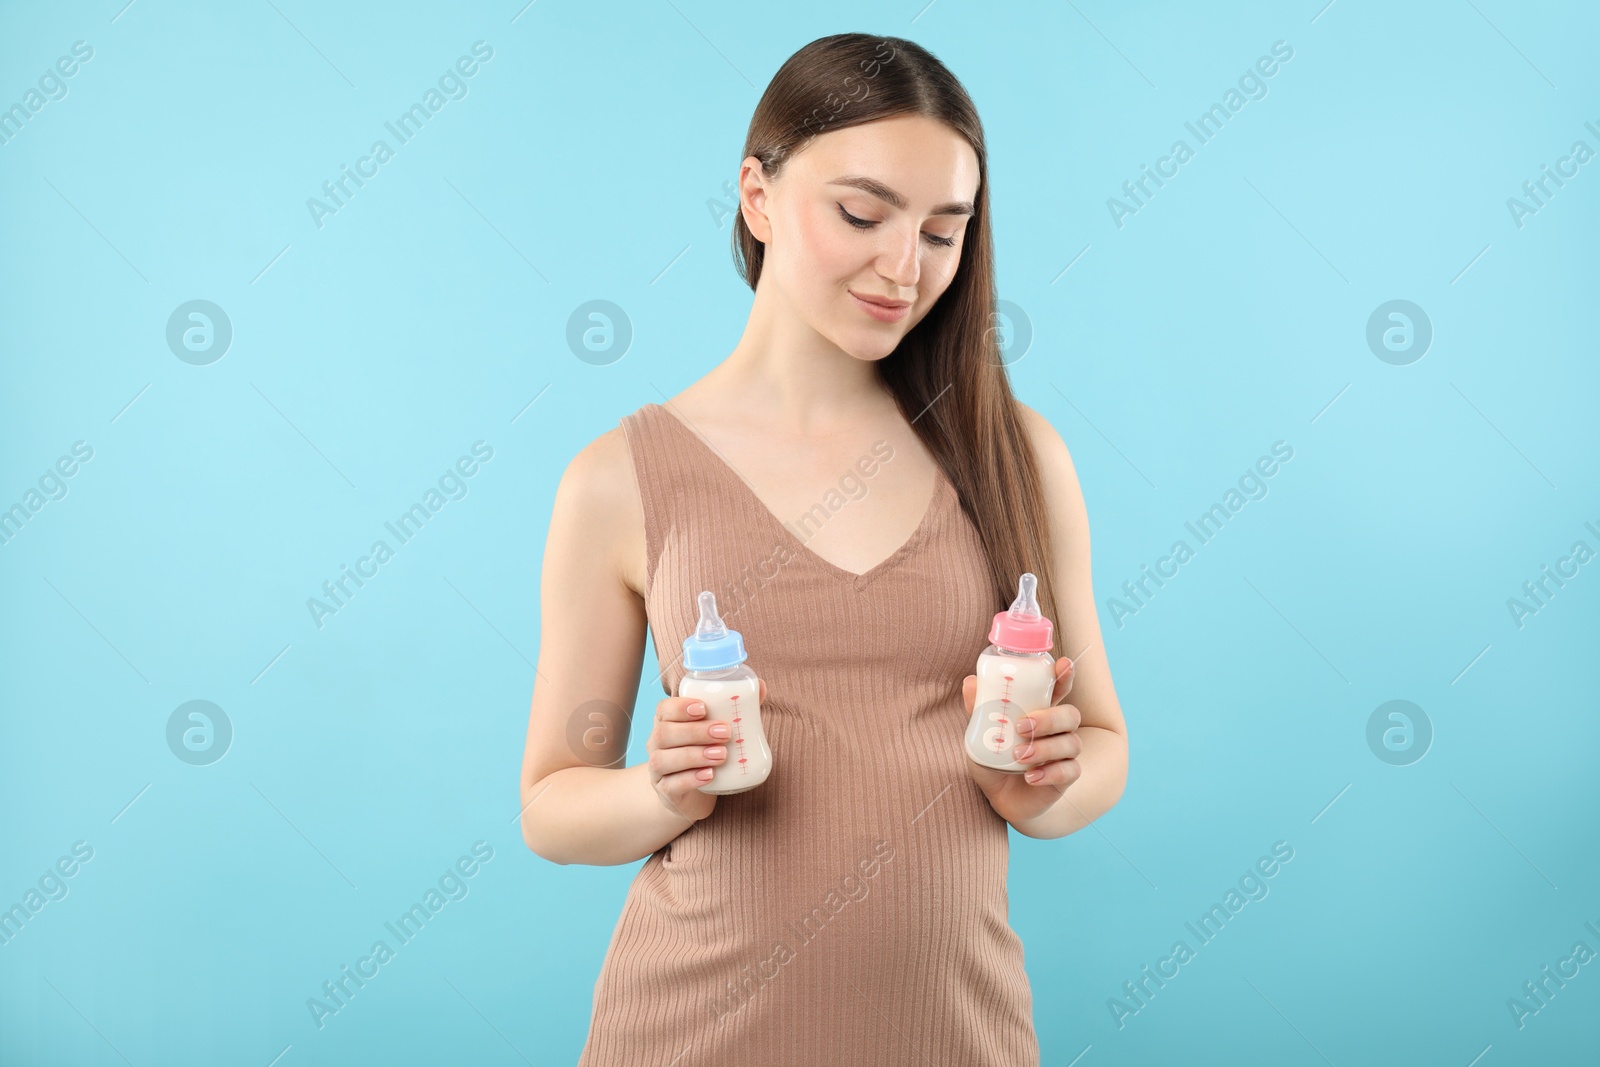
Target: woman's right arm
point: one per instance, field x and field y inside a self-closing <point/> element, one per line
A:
<point x="579" y="803"/>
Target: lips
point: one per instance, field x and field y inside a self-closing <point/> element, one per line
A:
<point x="881" y="301"/>
<point x="882" y="312"/>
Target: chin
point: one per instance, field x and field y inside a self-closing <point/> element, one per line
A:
<point x="871" y="349"/>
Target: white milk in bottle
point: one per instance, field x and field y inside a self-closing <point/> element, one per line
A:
<point x="731" y="692"/>
<point x="1016" y="675"/>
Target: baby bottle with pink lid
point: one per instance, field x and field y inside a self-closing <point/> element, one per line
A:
<point x="1016" y="675"/>
<point x="717" y="676"/>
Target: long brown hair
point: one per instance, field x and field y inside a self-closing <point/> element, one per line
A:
<point x="947" y="374"/>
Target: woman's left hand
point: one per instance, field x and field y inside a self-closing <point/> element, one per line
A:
<point x="1048" y="745"/>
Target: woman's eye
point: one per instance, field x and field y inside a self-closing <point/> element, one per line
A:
<point x="867" y="224"/>
<point x="860" y="224"/>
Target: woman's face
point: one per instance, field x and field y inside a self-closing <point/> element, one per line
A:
<point x="909" y="183"/>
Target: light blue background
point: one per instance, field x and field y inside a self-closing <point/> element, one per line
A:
<point x="584" y="163"/>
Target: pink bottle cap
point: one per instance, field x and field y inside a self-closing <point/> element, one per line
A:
<point x="1021" y="628"/>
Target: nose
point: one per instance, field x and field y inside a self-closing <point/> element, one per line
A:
<point x="901" y="261"/>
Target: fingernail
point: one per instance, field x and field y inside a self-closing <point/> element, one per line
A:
<point x="1024" y="752"/>
<point x="1034" y="776"/>
<point x="719" y="730"/>
<point x="716" y="752"/>
<point x="697" y="709"/>
<point x="1025" y="726"/>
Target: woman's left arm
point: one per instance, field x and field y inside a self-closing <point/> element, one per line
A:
<point x="1076" y="752"/>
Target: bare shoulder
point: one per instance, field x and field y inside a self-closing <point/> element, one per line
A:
<point x="1044" y="436"/>
<point x="1062" y="493"/>
<point x="597" y="501"/>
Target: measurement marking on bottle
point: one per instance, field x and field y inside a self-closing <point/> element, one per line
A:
<point x="738" y="734"/>
<point x="998" y="737"/>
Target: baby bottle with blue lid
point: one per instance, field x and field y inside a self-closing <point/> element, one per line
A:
<point x="716" y="676"/>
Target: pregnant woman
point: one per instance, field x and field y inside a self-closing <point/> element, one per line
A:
<point x="859" y="488"/>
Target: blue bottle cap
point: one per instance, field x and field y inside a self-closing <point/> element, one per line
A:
<point x="712" y="646"/>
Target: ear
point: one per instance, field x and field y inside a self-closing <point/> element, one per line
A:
<point x="753" y="199"/>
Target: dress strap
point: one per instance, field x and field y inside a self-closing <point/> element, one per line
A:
<point x="664" y="468"/>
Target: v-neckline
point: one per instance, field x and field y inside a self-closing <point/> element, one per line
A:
<point x="941" y="486"/>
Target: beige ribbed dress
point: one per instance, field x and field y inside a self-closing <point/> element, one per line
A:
<point x="852" y="908"/>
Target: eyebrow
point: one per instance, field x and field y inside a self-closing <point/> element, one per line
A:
<point x="884" y="193"/>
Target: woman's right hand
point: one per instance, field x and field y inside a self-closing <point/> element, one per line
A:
<point x="684" y="750"/>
